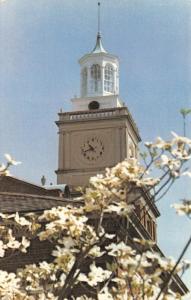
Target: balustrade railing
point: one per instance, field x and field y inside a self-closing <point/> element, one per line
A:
<point x="81" y="115"/>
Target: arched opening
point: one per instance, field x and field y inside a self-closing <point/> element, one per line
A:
<point x="84" y="81"/>
<point x="109" y="78"/>
<point x="93" y="105"/>
<point x="95" y="78"/>
<point x="131" y="150"/>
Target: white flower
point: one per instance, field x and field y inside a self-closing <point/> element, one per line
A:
<point x="11" y="161"/>
<point x="166" y="264"/>
<point x="148" y="144"/>
<point x="68" y="242"/>
<point x="186" y="173"/>
<point x="10" y="284"/>
<point x="117" y="249"/>
<point x="183" y="208"/>
<point x="62" y="279"/>
<point x="109" y="236"/>
<point x="2" y="168"/>
<point x="96" y="275"/>
<point x="21" y="220"/>
<point x="147" y="243"/>
<point x="164" y="160"/>
<point x="61" y="251"/>
<point x="13" y="244"/>
<point x="153" y="255"/>
<point x="120" y="208"/>
<point x="2" y="251"/>
<point x="104" y="294"/>
<point x="24" y="244"/>
<point x="180" y="139"/>
<point x="161" y="144"/>
<point x="148" y="181"/>
<point x="96" y="251"/>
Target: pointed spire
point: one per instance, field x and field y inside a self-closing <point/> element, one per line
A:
<point x="98" y="47"/>
<point x="98" y="17"/>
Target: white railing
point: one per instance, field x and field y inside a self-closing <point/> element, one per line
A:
<point x="89" y="115"/>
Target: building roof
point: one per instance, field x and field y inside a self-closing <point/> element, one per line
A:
<point x="98" y="47"/>
<point x="22" y="203"/>
<point x="16" y="185"/>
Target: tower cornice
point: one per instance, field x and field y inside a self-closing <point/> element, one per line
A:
<point x="102" y="55"/>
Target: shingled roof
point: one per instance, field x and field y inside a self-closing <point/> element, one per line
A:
<point x="15" y="185"/>
<point x="18" y="202"/>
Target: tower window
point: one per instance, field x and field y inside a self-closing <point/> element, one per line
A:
<point x="131" y="150"/>
<point x="93" y="105"/>
<point x="84" y="81"/>
<point x="95" y="78"/>
<point x="149" y="226"/>
<point x="109" y="79"/>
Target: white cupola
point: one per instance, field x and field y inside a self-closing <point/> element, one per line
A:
<point x="99" y="72"/>
<point x="99" y="78"/>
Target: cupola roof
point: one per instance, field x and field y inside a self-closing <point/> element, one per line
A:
<point x="99" y="47"/>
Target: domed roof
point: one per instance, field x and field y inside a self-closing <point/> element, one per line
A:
<point x="99" y="47"/>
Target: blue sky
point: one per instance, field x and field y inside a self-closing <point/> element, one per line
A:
<point x="40" y="44"/>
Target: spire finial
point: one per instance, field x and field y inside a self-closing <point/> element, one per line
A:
<point x="99" y="4"/>
<point x="98" y="47"/>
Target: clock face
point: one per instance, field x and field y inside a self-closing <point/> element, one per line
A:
<point x="92" y="149"/>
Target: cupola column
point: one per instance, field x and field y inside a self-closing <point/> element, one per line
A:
<point x="115" y="81"/>
<point x="89" y="80"/>
<point x="102" y="79"/>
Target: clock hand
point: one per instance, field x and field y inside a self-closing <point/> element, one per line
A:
<point x="91" y="148"/>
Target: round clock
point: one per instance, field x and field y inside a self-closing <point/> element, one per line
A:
<point x="92" y="149"/>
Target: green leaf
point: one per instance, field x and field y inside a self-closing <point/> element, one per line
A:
<point x="185" y="111"/>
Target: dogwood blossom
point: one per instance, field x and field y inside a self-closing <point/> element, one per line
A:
<point x="183" y="208"/>
<point x="95" y="276"/>
<point x="11" y="160"/>
<point x="101" y="262"/>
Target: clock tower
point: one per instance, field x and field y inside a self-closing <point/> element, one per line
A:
<point x="99" y="132"/>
